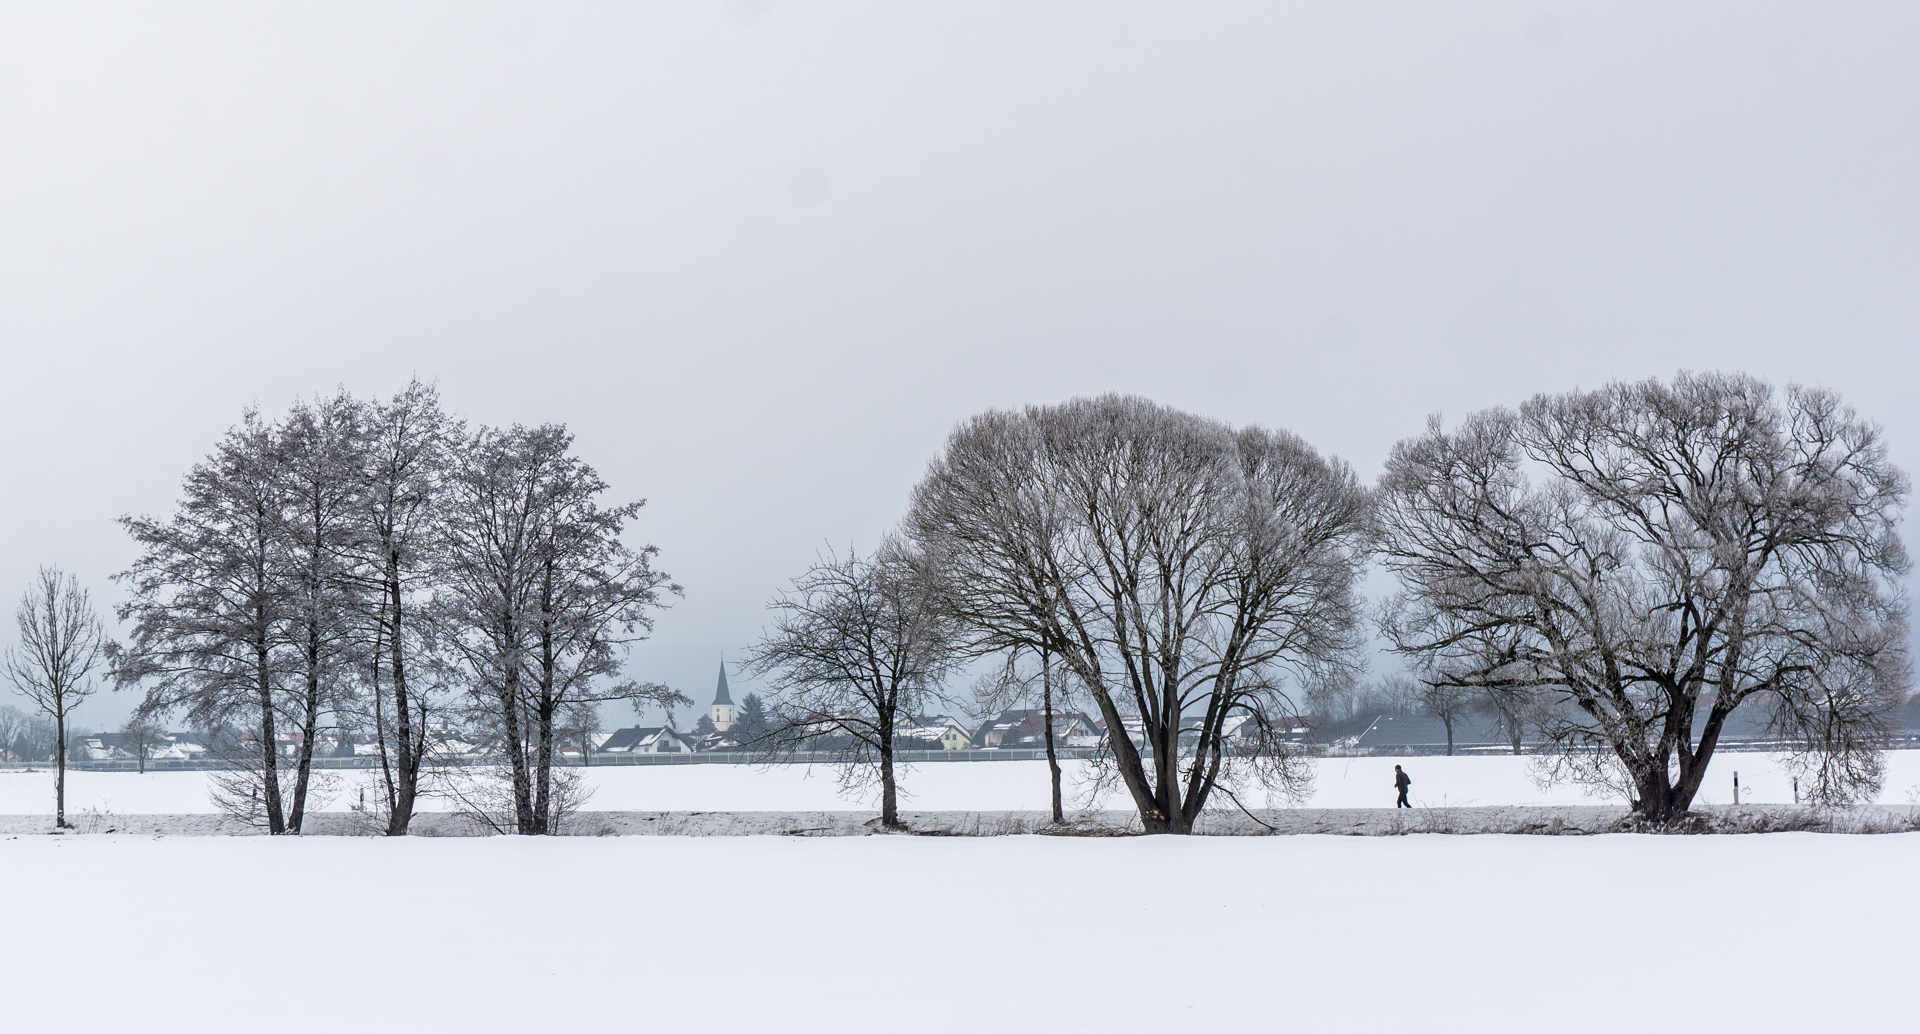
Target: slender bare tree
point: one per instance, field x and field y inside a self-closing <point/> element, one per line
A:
<point x="858" y="644"/>
<point x="319" y="478"/>
<point x="1184" y="572"/>
<point x="579" y="724"/>
<point x="1442" y="699"/>
<point x="594" y="598"/>
<point x="208" y="597"/>
<point x="62" y="640"/>
<point x="1514" y="710"/>
<point x="485" y="602"/>
<point x="1015" y="684"/>
<point x="1689" y="549"/>
<point x="539" y="599"/>
<point x="402" y="452"/>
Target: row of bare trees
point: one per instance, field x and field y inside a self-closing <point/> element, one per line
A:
<point x="1623" y="568"/>
<point x="378" y="567"/>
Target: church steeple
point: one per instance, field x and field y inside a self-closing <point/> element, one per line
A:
<point x="722" y="702"/>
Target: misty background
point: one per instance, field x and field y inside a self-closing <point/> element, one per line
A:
<point x="761" y="257"/>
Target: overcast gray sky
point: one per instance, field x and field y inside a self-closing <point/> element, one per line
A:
<point x="763" y="256"/>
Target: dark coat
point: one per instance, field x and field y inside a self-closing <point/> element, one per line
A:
<point x="1400" y="780"/>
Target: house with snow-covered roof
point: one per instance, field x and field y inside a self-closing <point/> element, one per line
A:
<point x="932" y="732"/>
<point x="645" y="740"/>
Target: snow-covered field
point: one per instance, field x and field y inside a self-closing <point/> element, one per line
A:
<point x="962" y="786"/>
<point x="1419" y="933"/>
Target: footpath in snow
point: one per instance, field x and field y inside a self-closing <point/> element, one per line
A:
<point x="986" y="787"/>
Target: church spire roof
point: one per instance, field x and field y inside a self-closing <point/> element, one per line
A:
<point x="720" y="695"/>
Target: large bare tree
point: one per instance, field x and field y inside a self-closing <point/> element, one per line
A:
<point x="1178" y="568"/>
<point x="1654" y="557"/>
<point x="858" y="645"/>
<point x="62" y="641"/>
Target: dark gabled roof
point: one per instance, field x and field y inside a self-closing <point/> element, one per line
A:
<point x="622" y="739"/>
<point x="720" y="695"/>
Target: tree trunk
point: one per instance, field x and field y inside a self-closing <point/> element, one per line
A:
<point x="543" y="713"/>
<point x="400" y="814"/>
<point x="889" y="796"/>
<point x="309" y="728"/>
<point x="516" y="746"/>
<point x="1046" y="708"/>
<point x="1448" y="722"/>
<point x="1655" y="801"/>
<point x="1660" y="798"/>
<point x="1166" y="765"/>
<point x="543" y="769"/>
<point x="1126" y="758"/>
<point x="270" y="751"/>
<point x="60" y="766"/>
<point x="380" y="724"/>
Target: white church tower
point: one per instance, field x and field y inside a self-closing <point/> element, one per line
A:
<point x="722" y="703"/>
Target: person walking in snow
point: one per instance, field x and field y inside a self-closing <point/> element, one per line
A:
<point x="1401" y="782"/>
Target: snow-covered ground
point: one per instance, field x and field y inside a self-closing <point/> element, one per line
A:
<point x="958" y="786"/>
<point x="1784" y="932"/>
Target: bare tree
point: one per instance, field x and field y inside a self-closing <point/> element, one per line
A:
<point x="539" y="600"/>
<point x="594" y="598"/>
<point x="1442" y="699"/>
<point x="61" y="641"/>
<point x="580" y="724"/>
<point x="1017" y="685"/>
<point x="320" y="482"/>
<point x="141" y="736"/>
<point x="23" y="736"/>
<point x="485" y="604"/>
<point x="1690" y="548"/>
<point x="1514" y="710"/>
<point x="858" y="644"/>
<point x="207" y="597"/>
<point x="402" y="452"/>
<point x="1175" y="566"/>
